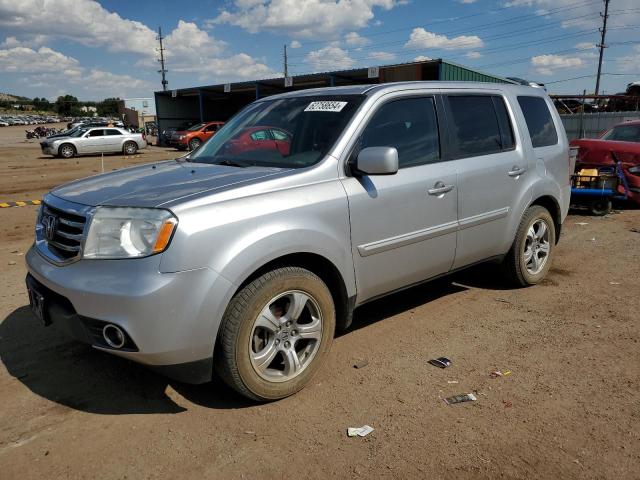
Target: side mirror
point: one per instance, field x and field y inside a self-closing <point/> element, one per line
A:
<point x="377" y="161"/>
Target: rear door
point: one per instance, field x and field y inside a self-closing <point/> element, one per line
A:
<point x="403" y="226"/>
<point x="113" y="140"/>
<point x="492" y="171"/>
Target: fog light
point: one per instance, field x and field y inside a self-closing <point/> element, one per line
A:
<point x="114" y="337"/>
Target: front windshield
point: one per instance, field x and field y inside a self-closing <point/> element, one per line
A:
<point x="623" y="133"/>
<point x="197" y="126"/>
<point x="79" y="132"/>
<point x="286" y="133"/>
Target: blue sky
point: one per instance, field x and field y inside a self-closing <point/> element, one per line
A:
<point x="95" y="49"/>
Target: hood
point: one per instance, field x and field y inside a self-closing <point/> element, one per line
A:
<point x="598" y="152"/>
<point x="156" y="184"/>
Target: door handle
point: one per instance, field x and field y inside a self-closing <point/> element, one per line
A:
<point x="516" y="171"/>
<point x="440" y="188"/>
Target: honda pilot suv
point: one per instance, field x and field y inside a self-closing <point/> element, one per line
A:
<point x="245" y="260"/>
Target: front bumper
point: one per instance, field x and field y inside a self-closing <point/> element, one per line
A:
<point x="171" y="318"/>
<point x="47" y="149"/>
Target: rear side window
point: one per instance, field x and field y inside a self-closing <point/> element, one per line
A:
<point x="474" y="125"/>
<point x="113" y="132"/>
<point x="410" y="125"/>
<point x="506" y="130"/>
<point x="539" y="121"/>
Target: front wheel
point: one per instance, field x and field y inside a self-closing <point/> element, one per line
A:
<point x="275" y="334"/>
<point x="67" y="150"/>
<point x="529" y="259"/>
<point x="194" y="143"/>
<point x="600" y="207"/>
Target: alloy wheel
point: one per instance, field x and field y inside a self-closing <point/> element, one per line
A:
<point x="286" y="336"/>
<point x="536" y="247"/>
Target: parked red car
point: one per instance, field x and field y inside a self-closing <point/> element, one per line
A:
<point x="260" y="138"/>
<point x="624" y="140"/>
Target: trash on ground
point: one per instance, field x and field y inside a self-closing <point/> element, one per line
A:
<point x="452" y="381"/>
<point x="361" y="364"/>
<point x="11" y="262"/>
<point x="582" y="223"/>
<point x="442" y="362"/>
<point x="359" y="431"/>
<point x="635" y="230"/>
<point x="467" y="397"/>
<point x="615" y="283"/>
<point x="507" y="403"/>
<point x="498" y="373"/>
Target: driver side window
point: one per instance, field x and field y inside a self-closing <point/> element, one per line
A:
<point x="410" y="125"/>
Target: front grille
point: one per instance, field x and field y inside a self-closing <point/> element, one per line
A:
<point x="62" y="231"/>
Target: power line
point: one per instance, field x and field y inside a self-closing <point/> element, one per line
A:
<point x="570" y="6"/>
<point x="591" y="76"/>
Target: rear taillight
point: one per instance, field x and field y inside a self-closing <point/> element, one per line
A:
<point x="573" y="155"/>
<point x="144" y="136"/>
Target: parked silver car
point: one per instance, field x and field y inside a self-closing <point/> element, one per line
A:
<point x="245" y="256"/>
<point x="94" y="140"/>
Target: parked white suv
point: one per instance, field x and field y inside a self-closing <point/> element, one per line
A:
<point x="245" y="255"/>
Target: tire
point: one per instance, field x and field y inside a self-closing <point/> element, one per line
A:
<point x="130" y="148"/>
<point x="194" y="143"/>
<point x="243" y="340"/>
<point x="600" y="207"/>
<point x="66" y="150"/>
<point x="523" y="271"/>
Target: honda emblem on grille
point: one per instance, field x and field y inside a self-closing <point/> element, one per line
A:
<point x="50" y="224"/>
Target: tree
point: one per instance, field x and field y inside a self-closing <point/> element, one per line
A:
<point x="67" y="105"/>
<point x="108" y="107"/>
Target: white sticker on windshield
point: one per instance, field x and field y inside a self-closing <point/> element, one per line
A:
<point x="325" y="106"/>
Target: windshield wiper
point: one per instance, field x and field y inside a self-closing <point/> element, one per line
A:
<point x="230" y="163"/>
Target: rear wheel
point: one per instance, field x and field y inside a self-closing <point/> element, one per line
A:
<point x="194" y="143"/>
<point x="130" y="148"/>
<point x="275" y="334"/>
<point x="600" y="207"/>
<point x="529" y="259"/>
<point x="67" y="150"/>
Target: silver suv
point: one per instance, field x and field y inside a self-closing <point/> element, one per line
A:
<point x="245" y="256"/>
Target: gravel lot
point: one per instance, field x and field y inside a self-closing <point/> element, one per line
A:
<point x="570" y="408"/>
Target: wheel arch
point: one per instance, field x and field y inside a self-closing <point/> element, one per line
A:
<point x="552" y="205"/>
<point x="323" y="268"/>
<point x="75" y="150"/>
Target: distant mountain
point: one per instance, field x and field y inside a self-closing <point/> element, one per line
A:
<point x="5" y="97"/>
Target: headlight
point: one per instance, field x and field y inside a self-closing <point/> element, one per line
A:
<point x="180" y="137"/>
<point x="128" y="232"/>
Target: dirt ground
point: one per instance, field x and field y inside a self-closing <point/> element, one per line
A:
<point x="569" y="409"/>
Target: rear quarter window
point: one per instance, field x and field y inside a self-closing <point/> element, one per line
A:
<point x="539" y="121"/>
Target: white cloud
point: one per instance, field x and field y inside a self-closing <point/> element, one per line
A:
<point x="354" y="40"/>
<point x="329" y="58"/>
<point x="581" y="14"/>
<point x="473" y="55"/>
<point x="83" y="21"/>
<point x="295" y="44"/>
<point x="420" y="38"/>
<point x="467" y="2"/>
<point x="382" y="56"/>
<point x="189" y="48"/>
<point x="309" y="18"/>
<point x="422" y="58"/>
<point x="585" y="46"/>
<point x="43" y="60"/>
<point x="631" y="62"/>
<point x="548" y="64"/>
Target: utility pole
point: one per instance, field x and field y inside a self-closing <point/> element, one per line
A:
<point x="602" y="45"/>
<point x="161" y="60"/>
<point x="286" y="63"/>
